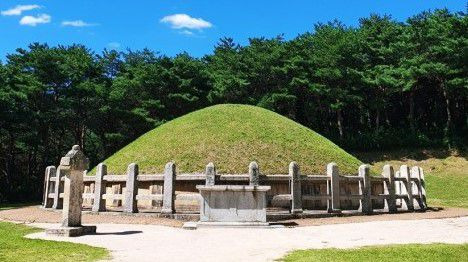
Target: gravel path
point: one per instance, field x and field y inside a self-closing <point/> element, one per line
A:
<point x="159" y="243"/>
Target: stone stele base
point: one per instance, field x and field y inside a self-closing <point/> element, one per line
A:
<point x="71" y="231"/>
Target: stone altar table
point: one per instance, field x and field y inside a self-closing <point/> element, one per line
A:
<point x="233" y="205"/>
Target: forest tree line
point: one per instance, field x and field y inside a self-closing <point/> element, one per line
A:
<point x="382" y="84"/>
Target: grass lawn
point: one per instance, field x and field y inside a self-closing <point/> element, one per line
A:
<point x="402" y="253"/>
<point x="446" y="172"/>
<point x="14" y="247"/>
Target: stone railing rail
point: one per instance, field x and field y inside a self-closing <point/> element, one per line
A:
<point x="170" y="192"/>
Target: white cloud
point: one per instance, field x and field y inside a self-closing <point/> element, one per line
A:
<point x="114" y="45"/>
<point x="17" y="10"/>
<point x="76" y="23"/>
<point x="179" y="21"/>
<point x="186" y="32"/>
<point x="34" y="20"/>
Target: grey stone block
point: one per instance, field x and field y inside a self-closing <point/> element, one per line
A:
<point x="71" y="231"/>
<point x="224" y="203"/>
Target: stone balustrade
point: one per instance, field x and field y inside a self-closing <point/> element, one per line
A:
<point x="294" y="193"/>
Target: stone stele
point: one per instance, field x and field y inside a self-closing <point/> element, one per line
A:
<point x="73" y="164"/>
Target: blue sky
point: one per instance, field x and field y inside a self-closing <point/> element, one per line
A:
<point x="173" y="26"/>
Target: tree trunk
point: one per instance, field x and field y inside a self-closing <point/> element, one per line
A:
<point x="339" y="121"/>
<point x="377" y="119"/>
<point x="82" y="136"/>
<point x="387" y="120"/>
<point x="448" y="125"/>
<point x="411" y="111"/>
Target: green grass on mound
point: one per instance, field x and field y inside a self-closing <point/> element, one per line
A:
<point x="232" y="136"/>
<point x="406" y="253"/>
<point x="15" y="247"/>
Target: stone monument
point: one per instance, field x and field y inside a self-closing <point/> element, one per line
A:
<point x="73" y="165"/>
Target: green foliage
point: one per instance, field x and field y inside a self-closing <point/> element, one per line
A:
<point x="382" y="84"/>
<point x="15" y="247"/>
<point x="232" y="136"/>
<point x="407" y="253"/>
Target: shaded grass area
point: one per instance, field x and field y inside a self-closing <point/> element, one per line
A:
<point x="446" y="172"/>
<point x="405" y="253"/>
<point x="232" y="136"/>
<point x="14" y="247"/>
<point x="6" y="206"/>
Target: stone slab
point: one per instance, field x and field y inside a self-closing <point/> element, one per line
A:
<point x="196" y="225"/>
<point x="72" y="231"/>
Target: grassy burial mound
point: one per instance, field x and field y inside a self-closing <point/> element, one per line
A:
<point x="232" y="136"/>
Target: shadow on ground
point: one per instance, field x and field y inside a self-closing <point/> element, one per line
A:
<point x="122" y="233"/>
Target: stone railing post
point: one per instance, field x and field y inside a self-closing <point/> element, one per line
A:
<point x="254" y="174"/>
<point x="296" y="191"/>
<point x="417" y="187"/>
<point x="389" y="189"/>
<point x="50" y="172"/>
<point x="423" y="187"/>
<point x="210" y="174"/>
<point x="365" y="190"/>
<point x="398" y="190"/>
<point x="58" y="187"/>
<point x="406" y="189"/>
<point x="131" y="189"/>
<point x="334" y="188"/>
<point x="169" y="189"/>
<point x="99" y="204"/>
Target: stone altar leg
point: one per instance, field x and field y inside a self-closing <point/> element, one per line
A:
<point x="254" y="174"/>
<point x="210" y="174"/>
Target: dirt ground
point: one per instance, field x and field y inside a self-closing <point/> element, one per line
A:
<point x="35" y="214"/>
